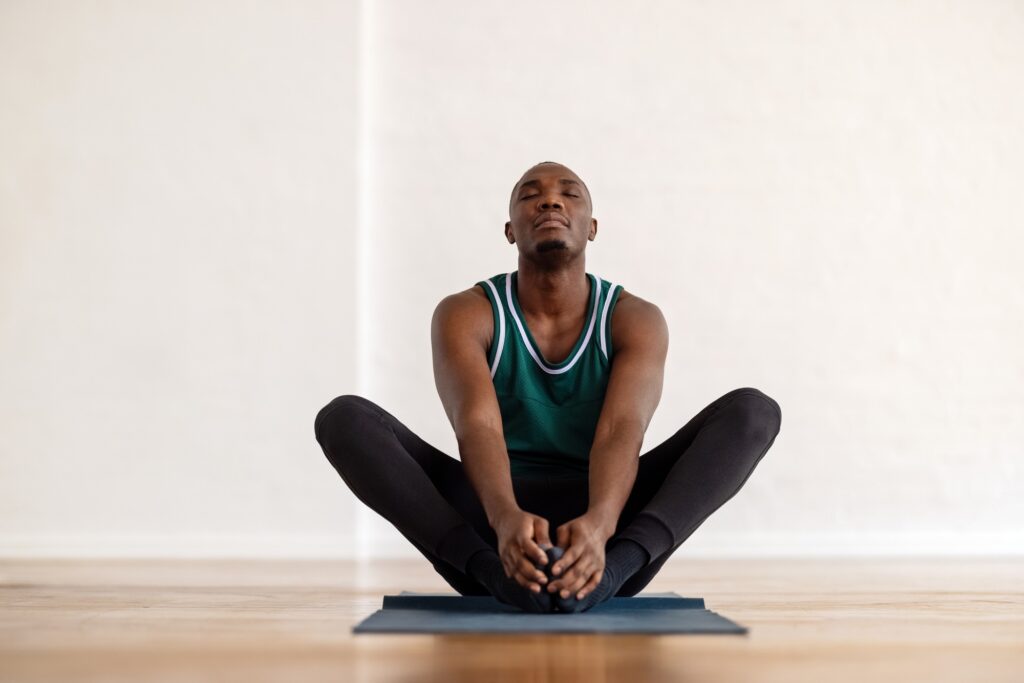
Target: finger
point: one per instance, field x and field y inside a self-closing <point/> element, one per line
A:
<point x="563" y="536"/>
<point x="569" y="575"/>
<point x="578" y="581"/>
<point x="534" y="552"/>
<point x="540" y="532"/>
<point x="530" y="571"/>
<point x="554" y="585"/>
<point x="529" y="547"/>
<point x="591" y="585"/>
<point x="577" y="585"/>
<point x="566" y="561"/>
<point x="577" y="577"/>
<point x="524" y="581"/>
<point x="557" y="583"/>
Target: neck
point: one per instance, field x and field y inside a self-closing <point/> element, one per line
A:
<point x="559" y="293"/>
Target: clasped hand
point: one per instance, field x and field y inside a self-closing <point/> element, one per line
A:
<point x="523" y="536"/>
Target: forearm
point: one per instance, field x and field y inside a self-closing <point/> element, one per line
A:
<point x="485" y="461"/>
<point x="614" y="458"/>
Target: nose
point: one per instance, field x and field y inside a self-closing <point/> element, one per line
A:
<point x="547" y="204"/>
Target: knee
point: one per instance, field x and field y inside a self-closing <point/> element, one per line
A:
<point x="756" y="414"/>
<point x="333" y="417"/>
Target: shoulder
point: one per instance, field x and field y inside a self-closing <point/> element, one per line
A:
<point x="636" y="320"/>
<point x="467" y="313"/>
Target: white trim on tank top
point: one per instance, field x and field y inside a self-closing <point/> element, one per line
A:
<point x="501" y="327"/>
<point x="526" y="340"/>
<point x="604" y="316"/>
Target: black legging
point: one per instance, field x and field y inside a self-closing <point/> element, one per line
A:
<point x="426" y="495"/>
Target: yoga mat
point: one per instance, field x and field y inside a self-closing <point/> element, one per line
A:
<point x="663" y="613"/>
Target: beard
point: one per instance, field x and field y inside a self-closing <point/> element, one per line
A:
<point x="551" y="245"/>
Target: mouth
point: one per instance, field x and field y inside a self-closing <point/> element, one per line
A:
<point x="552" y="220"/>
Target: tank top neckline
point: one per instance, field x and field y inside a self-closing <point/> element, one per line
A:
<point x="524" y="328"/>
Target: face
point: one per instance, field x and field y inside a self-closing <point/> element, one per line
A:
<point x="550" y="215"/>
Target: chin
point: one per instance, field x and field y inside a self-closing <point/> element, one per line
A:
<point x="551" y="245"/>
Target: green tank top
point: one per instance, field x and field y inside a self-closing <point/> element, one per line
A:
<point x="549" y="411"/>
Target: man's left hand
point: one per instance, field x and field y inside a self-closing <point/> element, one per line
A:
<point x="580" y="569"/>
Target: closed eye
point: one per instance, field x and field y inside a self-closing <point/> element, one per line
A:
<point x="533" y="195"/>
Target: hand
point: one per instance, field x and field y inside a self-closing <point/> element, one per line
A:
<point x="521" y="536"/>
<point x="581" y="568"/>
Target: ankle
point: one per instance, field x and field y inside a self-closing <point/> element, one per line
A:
<point x="626" y="557"/>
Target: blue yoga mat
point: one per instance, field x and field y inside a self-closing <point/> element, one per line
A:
<point x="411" y="612"/>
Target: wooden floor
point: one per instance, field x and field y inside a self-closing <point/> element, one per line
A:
<point x="809" y="620"/>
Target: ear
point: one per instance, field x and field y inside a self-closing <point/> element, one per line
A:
<point x="593" y="229"/>
<point x="508" y="233"/>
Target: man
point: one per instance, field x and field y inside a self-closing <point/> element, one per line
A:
<point x="549" y="376"/>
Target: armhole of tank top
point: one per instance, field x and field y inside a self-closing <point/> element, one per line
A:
<point x="493" y="348"/>
<point x="613" y="294"/>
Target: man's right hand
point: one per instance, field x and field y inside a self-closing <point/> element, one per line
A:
<point x="522" y="537"/>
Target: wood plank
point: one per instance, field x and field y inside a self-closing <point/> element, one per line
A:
<point x="816" y="620"/>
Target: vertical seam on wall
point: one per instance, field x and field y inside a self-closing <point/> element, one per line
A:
<point x="363" y="176"/>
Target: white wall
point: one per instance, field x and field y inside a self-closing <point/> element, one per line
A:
<point x="823" y="198"/>
<point x="177" y="274"/>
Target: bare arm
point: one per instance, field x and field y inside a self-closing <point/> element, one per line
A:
<point x="460" y="329"/>
<point x="459" y="332"/>
<point x="640" y="343"/>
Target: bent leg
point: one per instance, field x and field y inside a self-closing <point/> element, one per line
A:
<point x="683" y="480"/>
<point x="422" y="491"/>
